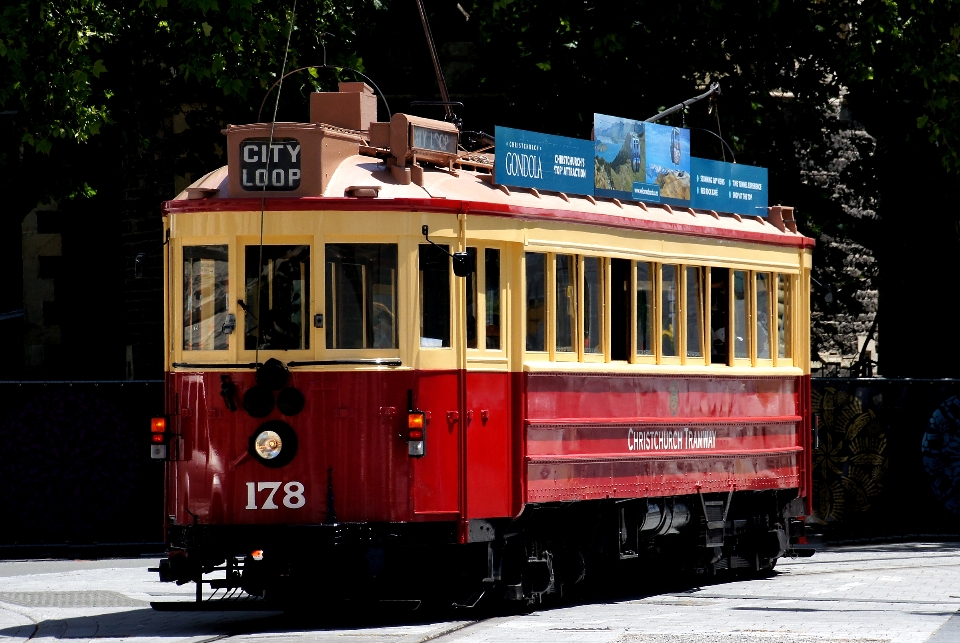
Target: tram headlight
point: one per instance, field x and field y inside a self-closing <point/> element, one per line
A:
<point x="268" y="444"/>
<point x="274" y="444"/>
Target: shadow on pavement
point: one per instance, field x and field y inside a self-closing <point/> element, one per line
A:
<point x="151" y="623"/>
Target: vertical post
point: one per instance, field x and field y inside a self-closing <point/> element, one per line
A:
<point x="460" y="290"/>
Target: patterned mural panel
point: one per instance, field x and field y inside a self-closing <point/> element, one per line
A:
<point x="888" y="459"/>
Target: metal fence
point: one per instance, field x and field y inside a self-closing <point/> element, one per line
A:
<point x="75" y="467"/>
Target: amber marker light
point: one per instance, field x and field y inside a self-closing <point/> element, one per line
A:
<point x="257" y="554"/>
<point x="415" y="422"/>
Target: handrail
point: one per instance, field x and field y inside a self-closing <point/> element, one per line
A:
<point x="223" y="365"/>
<point x="371" y="361"/>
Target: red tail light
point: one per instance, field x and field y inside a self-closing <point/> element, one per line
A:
<point x="158" y="438"/>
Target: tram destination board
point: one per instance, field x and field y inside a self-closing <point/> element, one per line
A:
<point x="433" y="140"/>
<point x="270" y="165"/>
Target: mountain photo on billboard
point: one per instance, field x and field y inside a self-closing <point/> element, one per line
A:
<point x="668" y="160"/>
<point x="619" y="153"/>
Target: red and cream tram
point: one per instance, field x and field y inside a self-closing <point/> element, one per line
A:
<point x="544" y="386"/>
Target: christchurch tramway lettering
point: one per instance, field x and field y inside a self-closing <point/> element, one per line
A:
<point x="671" y="439"/>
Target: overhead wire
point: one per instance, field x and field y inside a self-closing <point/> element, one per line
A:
<point x="263" y="196"/>
<point x="323" y="45"/>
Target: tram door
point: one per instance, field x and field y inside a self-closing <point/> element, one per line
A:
<point x="466" y="470"/>
<point x="488" y="385"/>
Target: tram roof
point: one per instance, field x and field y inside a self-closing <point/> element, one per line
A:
<point x="474" y="192"/>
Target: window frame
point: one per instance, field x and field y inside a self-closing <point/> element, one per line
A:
<point x="320" y="294"/>
<point x="672" y="360"/>
<point x="750" y="304"/>
<point x="552" y="312"/>
<point x="789" y="314"/>
<point x="653" y="357"/>
<point x="481" y="352"/>
<point x="242" y="241"/>
<point x="708" y="317"/>
<point x="454" y="331"/>
<point x="757" y="360"/>
<point x="230" y="355"/>
<point x="729" y="269"/>
<point x="604" y="354"/>
<point x="546" y="353"/>
<point x="704" y="295"/>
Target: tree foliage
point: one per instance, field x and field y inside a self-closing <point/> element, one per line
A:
<point x="94" y="93"/>
<point x="115" y="99"/>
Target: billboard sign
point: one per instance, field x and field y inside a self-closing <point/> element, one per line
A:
<point x="543" y="161"/>
<point x="729" y="187"/>
<point x="639" y="161"/>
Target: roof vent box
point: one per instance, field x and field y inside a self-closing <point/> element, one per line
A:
<point x="299" y="162"/>
<point x="353" y="107"/>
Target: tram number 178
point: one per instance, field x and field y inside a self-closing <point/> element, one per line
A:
<point x="292" y="498"/>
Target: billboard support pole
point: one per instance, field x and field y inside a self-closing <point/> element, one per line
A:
<point x="714" y="89"/>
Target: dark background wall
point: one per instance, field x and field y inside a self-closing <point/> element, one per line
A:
<point x="76" y="469"/>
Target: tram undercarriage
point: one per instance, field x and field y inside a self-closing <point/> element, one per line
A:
<point x="551" y="551"/>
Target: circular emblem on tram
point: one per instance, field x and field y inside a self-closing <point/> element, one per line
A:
<point x="674" y="397"/>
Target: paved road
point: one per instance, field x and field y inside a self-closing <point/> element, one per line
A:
<point x="894" y="593"/>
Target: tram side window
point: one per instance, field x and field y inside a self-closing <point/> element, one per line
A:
<point x="434" y="296"/>
<point x="592" y="305"/>
<point x="719" y="315"/>
<point x="492" y="279"/>
<point x="645" y="272"/>
<point x="669" y="333"/>
<point x="694" y="311"/>
<point x="763" y="315"/>
<point x="740" y="315"/>
<point x="361" y="295"/>
<point x="784" y="312"/>
<point x="471" y="288"/>
<point x="566" y="303"/>
<point x="277" y="297"/>
<point x="205" y="296"/>
<point x="536" y="301"/>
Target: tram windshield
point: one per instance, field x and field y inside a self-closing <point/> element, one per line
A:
<point x="277" y="302"/>
<point x="205" y="296"/>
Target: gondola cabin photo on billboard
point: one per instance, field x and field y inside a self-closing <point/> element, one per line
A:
<point x="390" y="373"/>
